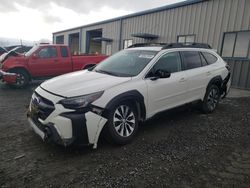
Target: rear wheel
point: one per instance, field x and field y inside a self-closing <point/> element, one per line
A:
<point x="211" y="99"/>
<point x="22" y="78"/>
<point x="122" y="123"/>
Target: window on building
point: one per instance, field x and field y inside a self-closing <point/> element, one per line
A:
<point x="127" y="43"/>
<point x="60" y="39"/>
<point x="186" y="38"/>
<point x="236" y="45"/>
<point x="108" y="49"/>
<point x="191" y="60"/>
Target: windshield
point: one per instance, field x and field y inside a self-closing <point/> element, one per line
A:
<point x="33" y="49"/>
<point x="126" y="63"/>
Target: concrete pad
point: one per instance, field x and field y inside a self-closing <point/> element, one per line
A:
<point x="237" y="93"/>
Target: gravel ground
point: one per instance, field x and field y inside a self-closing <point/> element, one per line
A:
<point x="179" y="148"/>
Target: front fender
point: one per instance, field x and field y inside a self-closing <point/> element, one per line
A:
<point x="133" y="95"/>
<point x="15" y="62"/>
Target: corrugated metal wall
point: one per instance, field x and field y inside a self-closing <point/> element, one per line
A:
<point x="66" y="35"/>
<point x="207" y="20"/>
<point x="241" y="73"/>
<point x="110" y="30"/>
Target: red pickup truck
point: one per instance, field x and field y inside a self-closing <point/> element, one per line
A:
<point x="43" y="61"/>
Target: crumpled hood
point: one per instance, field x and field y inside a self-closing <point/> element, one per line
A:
<point x="11" y="53"/>
<point x="81" y="83"/>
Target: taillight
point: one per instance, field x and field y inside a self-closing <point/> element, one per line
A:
<point x="228" y="67"/>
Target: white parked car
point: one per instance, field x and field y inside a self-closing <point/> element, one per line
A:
<point x="131" y="86"/>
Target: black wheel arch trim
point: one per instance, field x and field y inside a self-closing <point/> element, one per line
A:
<point x="126" y="96"/>
<point x="214" y="80"/>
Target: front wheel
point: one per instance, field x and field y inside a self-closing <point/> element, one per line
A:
<point x="22" y="78"/>
<point x="122" y="123"/>
<point x="211" y="99"/>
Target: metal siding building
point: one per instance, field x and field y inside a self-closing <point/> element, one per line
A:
<point x="224" y="24"/>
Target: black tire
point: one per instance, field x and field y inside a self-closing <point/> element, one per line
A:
<point x="88" y="66"/>
<point x="211" y="99"/>
<point x="118" y="126"/>
<point x="22" y="78"/>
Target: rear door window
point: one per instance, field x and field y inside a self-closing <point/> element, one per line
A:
<point x="210" y="57"/>
<point x="64" y="51"/>
<point x="191" y="60"/>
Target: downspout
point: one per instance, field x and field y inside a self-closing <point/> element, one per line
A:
<point x="53" y="39"/>
<point x="80" y="40"/>
<point x="120" y="37"/>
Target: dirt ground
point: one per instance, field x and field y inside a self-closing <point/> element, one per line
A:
<point x="179" y="148"/>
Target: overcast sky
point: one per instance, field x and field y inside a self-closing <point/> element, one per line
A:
<point x="37" y="19"/>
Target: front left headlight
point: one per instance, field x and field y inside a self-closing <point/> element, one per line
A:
<point x="80" y="102"/>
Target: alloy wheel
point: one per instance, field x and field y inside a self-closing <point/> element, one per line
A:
<point x="213" y="98"/>
<point x="124" y="121"/>
<point x="20" y="80"/>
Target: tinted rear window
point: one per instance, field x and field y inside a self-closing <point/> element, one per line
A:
<point x="209" y="57"/>
<point x="203" y="60"/>
<point x="191" y="60"/>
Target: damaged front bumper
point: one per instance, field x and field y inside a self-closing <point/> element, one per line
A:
<point x="7" y="77"/>
<point x="54" y="123"/>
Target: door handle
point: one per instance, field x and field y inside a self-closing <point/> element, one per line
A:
<point x="182" y="80"/>
<point x="208" y="73"/>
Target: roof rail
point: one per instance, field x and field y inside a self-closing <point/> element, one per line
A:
<point x="146" y="44"/>
<point x="187" y="45"/>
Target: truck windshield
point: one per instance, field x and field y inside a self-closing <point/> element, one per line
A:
<point x="32" y="50"/>
<point x="126" y="63"/>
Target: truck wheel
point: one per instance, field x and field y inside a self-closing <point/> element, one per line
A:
<point x="122" y="124"/>
<point x="88" y="66"/>
<point x="211" y="99"/>
<point x="22" y="78"/>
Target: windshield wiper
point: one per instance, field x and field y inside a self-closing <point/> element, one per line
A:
<point x="106" y="72"/>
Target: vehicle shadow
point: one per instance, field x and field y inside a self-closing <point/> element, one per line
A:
<point x="152" y="128"/>
<point x="32" y="85"/>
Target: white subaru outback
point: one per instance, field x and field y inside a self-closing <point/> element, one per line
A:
<point x="131" y="86"/>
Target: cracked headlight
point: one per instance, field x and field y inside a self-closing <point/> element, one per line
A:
<point x="77" y="103"/>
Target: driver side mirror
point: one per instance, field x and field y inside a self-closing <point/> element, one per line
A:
<point x="160" y="73"/>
